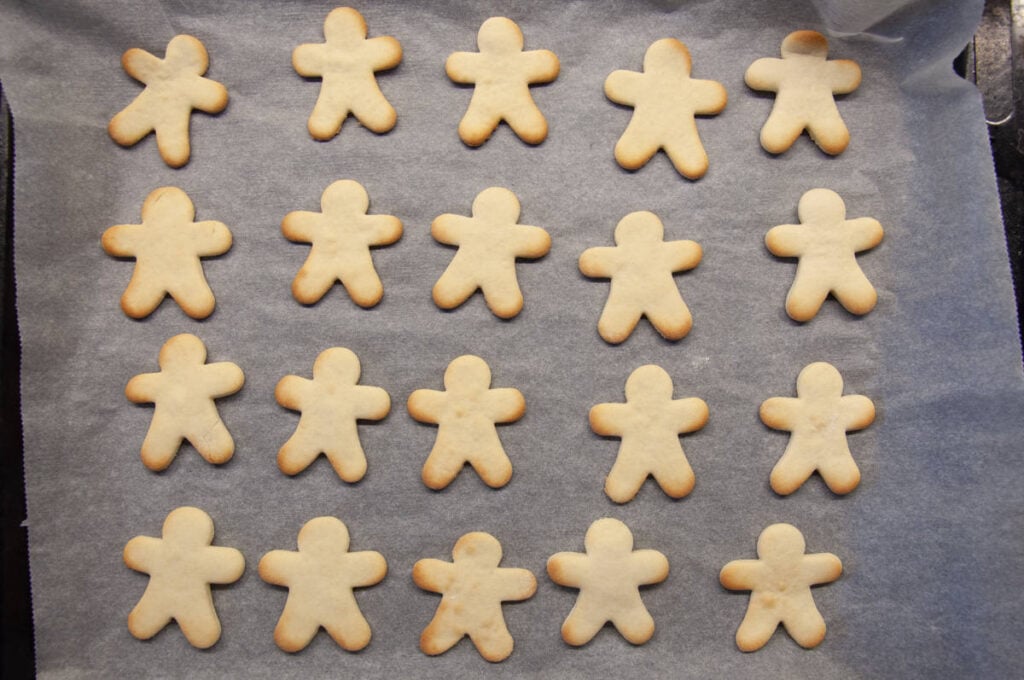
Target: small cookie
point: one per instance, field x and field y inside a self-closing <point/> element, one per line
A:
<point x="183" y="392"/>
<point x="181" y="566"/>
<point x="320" y="577"/>
<point x="665" y="100"/>
<point x="472" y="588"/>
<point x="640" y="266"/>
<point x="346" y="62"/>
<point x="502" y="73"/>
<point x="341" y="235"/>
<point x="465" y="414"/>
<point x="174" y="87"/>
<point x="489" y="243"/>
<point x="609" y="576"/>
<point x="167" y="247"/>
<point x="826" y="244"/>
<point x="819" y="418"/>
<point x="804" y="82"/>
<point x="330" y="404"/>
<point x="649" y="424"/>
<point x="780" y="582"/>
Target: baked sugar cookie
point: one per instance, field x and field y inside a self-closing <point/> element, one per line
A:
<point x="780" y="582"/>
<point x="640" y="267"/>
<point x="174" y="87"/>
<point x="502" y="73"/>
<point x="183" y="392"/>
<point x="346" y="63"/>
<point x="609" y="575"/>
<point x="649" y="424"/>
<point x="320" y="577"/>
<point x="466" y="413"/>
<point x="472" y="588"/>
<point x="818" y="418"/>
<point x="167" y="247"/>
<point x="489" y="243"/>
<point x="826" y="245"/>
<point x="181" y="566"/>
<point x="665" y="100"/>
<point x="804" y="81"/>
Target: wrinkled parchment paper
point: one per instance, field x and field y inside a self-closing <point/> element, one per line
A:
<point x="931" y="541"/>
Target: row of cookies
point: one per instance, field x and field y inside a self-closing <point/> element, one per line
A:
<point x="168" y="245"/>
<point x="321" y="575"/>
<point x="664" y="97"/>
<point x="649" y="422"/>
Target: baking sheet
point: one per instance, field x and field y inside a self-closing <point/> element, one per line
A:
<point x="930" y="541"/>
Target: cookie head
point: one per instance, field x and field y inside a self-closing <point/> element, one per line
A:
<point x="821" y="206"/>
<point x="608" y="536"/>
<point x="640" y="226"/>
<point x="186" y="52"/>
<point x="819" y="380"/>
<point x="345" y="196"/>
<point x="500" y="36"/>
<point x="169" y="205"/>
<point x="649" y="382"/>
<point x="344" y="26"/>
<point x="781" y="543"/>
<point x="478" y="547"/>
<point x="467" y="370"/>
<point x="668" y="55"/>
<point x="188" y="526"/>
<point x="337" y="364"/>
<point x="497" y="204"/>
<point x="807" y="43"/>
<point x="184" y="350"/>
<point x="324" y="537"/>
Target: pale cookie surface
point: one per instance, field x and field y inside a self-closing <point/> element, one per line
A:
<point x="472" y="588"/>
<point x="818" y="418"/>
<point x="665" y="100"/>
<point x="780" y="582"/>
<point x="174" y="87"/>
<point x="826" y="244"/>
<point x="346" y="62"/>
<point x="609" y="575"/>
<point x="502" y="73"/>
<point x="489" y="243"/>
<point x="167" y="247"/>
<point x="183" y="393"/>
<point x="331" y="404"/>
<point x="649" y="424"/>
<point x="804" y="81"/>
<point x="320" y="577"/>
<point x="466" y="413"/>
<point x="181" y="566"/>
<point x="341" y="235"/>
<point x="640" y="266"/>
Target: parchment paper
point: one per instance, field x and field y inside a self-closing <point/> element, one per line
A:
<point x="931" y="541"/>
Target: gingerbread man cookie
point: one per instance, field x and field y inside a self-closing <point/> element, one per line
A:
<point x="489" y="243"/>
<point x="818" y="418"/>
<point x="466" y="413"/>
<point x="346" y="62"/>
<point x="502" y="73"/>
<point x="826" y="244"/>
<point x="330" y="403"/>
<point x="665" y="100"/>
<point x="181" y="566"/>
<point x="341" y="235"/>
<point x="609" y="576"/>
<point x="649" y="424"/>
<point x="472" y="588"/>
<point x="167" y="247"/>
<point x="640" y="266"/>
<point x="780" y="582"/>
<point x="804" y="81"/>
<point x="174" y="87"/>
<point x="320" y="577"/>
<point x="183" y="392"/>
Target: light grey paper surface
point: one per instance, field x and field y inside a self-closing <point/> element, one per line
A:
<point x="930" y="541"/>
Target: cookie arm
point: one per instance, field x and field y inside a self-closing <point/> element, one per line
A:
<point x="622" y="87"/>
<point x="141" y="65"/>
<point x="367" y="568"/>
<point x="449" y="228"/>
<point x="383" y="53"/>
<point x="227" y="378"/>
<point x="540" y="66"/>
<point x="568" y="568"/>
<point x="384" y="229"/>
<point x="606" y="419"/>
<point x="291" y="391"/>
<point x="462" y="67"/>
<point x="373" y="402"/>
<point x="764" y="75"/>
<point x="819" y="568"/>
<point x="858" y="412"/>
<point x="683" y="255"/>
<point x="300" y="226"/>
<point x="222" y="564"/>
<point x="786" y="240"/>
<point x="121" y="240"/>
<point x="780" y="413"/>
<point x="741" y="574"/>
<point x="598" y="263"/>
<point x="690" y="414"/>
<point x="308" y="60"/>
<point x="208" y="95"/>
<point x="212" y="238"/>
<point x="531" y="241"/>
<point x="426" y="405"/>
<point x="504" y="405"/>
<point x="710" y="97"/>
<point x="649" y="566"/>
<point x="143" y="388"/>
<point x="843" y="75"/>
<point x="433" y="575"/>
<point x="278" y="567"/>
<point x="139" y="553"/>
<point x="865" y="233"/>
<point x="516" y="584"/>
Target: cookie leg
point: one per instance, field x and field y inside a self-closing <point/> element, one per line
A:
<point x="441" y="467"/>
<point x="348" y="461"/>
<point x="808" y="628"/>
<point x="293" y="457"/>
<point x="493" y="466"/>
<point x="635" y="624"/>
<point x="172" y="138"/>
<point x="618" y="319"/>
<point x="295" y="629"/>
<point x="636" y="146"/>
<point x="478" y="124"/>
<point x="789" y="474"/>
<point x="349" y="629"/>
<point x="130" y="125"/>
<point x="528" y="122"/>
<point x="199" y="624"/>
<point x="840" y="472"/>
<point x="493" y="640"/>
<point x="329" y="112"/>
<point x="583" y="623"/>
<point x="453" y="288"/>
<point x="161" y="444"/>
<point x="503" y="295"/>
<point x="312" y="281"/>
<point x="194" y="296"/>
<point x="757" y="628"/>
<point x="670" y="316"/>
<point x="805" y="296"/>
<point x="212" y="440"/>
<point x="374" y="111"/>
<point x="675" y="476"/>
<point x="829" y="132"/>
<point x="625" y="478"/>
<point x="142" y="296"/>
<point x="439" y="637"/>
<point x="146" y="620"/>
<point x="855" y="292"/>
<point x="687" y="153"/>
<point x="362" y="283"/>
<point x="780" y="130"/>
